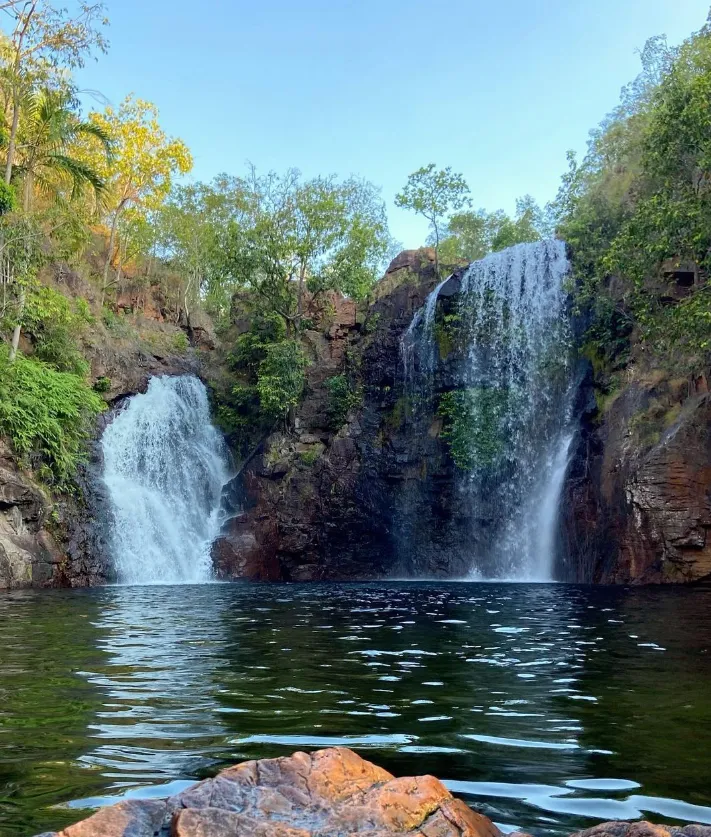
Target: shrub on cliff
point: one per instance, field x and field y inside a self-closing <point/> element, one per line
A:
<point x="280" y="380"/>
<point x="47" y="416"/>
<point x="342" y="398"/>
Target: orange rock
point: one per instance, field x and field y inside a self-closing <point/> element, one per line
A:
<point x="329" y="792"/>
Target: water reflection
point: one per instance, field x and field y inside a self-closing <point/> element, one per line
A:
<point x="164" y="649"/>
<point x="548" y="707"/>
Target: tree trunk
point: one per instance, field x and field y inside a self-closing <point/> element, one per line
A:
<point x="107" y="263"/>
<point x="27" y="193"/>
<point x="16" y="92"/>
<point x="12" y="139"/>
<point x="436" y="249"/>
<point x="300" y="299"/>
<point x="18" y="328"/>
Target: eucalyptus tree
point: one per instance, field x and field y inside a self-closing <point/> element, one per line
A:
<point x="434" y="193"/>
<point x="197" y="227"/>
<point x="316" y="235"/>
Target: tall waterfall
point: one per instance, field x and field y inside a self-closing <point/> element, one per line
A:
<point x="164" y="467"/>
<point x="507" y="395"/>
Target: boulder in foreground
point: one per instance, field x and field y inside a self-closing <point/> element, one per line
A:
<point x="329" y="793"/>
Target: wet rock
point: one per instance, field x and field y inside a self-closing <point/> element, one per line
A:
<point x="643" y="829"/>
<point x="329" y="792"/>
<point x="28" y="554"/>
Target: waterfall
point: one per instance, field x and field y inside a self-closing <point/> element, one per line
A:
<point x="506" y="400"/>
<point x="417" y="343"/>
<point x="164" y="468"/>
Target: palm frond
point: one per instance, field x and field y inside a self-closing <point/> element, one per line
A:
<point x="90" y="129"/>
<point x="80" y="173"/>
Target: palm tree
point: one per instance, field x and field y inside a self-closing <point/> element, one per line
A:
<point x="44" y="160"/>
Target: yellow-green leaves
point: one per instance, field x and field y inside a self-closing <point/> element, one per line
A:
<point x="144" y="159"/>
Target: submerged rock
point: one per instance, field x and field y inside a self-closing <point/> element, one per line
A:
<point x="329" y="793"/>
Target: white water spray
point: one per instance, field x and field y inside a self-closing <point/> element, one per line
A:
<point x="418" y="340"/>
<point x="514" y="309"/>
<point x="164" y="467"/>
<point x="513" y="400"/>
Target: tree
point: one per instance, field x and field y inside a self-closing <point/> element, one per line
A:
<point x="45" y="40"/>
<point x="318" y="234"/>
<point x="471" y="235"/>
<point x="434" y="193"/>
<point x="197" y="227"/>
<point x="142" y="167"/>
<point x="45" y="160"/>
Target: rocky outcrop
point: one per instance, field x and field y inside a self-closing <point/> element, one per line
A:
<point x="377" y="493"/>
<point x="638" y="505"/>
<point x="60" y="540"/>
<point x="329" y="793"/>
<point x="335" y="498"/>
<point x="29" y="555"/>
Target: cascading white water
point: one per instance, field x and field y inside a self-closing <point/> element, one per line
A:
<point x="513" y="306"/>
<point x="419" y="339"/>
<point x="511" y="404"/>
<point x="164" y="467"/>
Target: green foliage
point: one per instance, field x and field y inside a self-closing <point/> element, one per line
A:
<point x="311" y="456"/>
<point x="54" y="327"/>
<point x="280" y="379"/>
<point x="342" y="398"/>
<point x="116" y="323"/>
<point x="102" y="385"/>
<point x="8" y="198"/>
<point x="47" y="415"/>
<point x="370" y="326"/>
<point x="473" y="425"/>
<point x="251" y="347"/>
<point x="434" y="193"/>
<point x="642" y="195"/>
<point x="320" y="234"/>
<point x="180" y="342"/>
<point x="470" y="235"/>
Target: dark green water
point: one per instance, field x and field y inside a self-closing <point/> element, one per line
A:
<point x="547" y="707"/>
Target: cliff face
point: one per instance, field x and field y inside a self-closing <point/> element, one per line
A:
<point x="354" y="501"/>
<point x="379" y="494"/>
<point x="372" y="490"/>
<point x="638" y="499"/>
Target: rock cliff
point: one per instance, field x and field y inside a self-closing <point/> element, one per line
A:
<point x="638" y="500"/>
<point x="377" y="495"/>
<point x="344" y="500"/>
<point x="365" y="487"/>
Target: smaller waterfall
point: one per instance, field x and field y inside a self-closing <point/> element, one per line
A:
<point x="418" y="342"/>
<point x="164" y="467"/>
<point x="545" y="516"/>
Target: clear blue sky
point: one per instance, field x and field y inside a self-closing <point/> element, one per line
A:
<point x="497" y="89"/>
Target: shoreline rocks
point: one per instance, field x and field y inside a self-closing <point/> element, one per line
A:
<point x="328" y="793"/>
